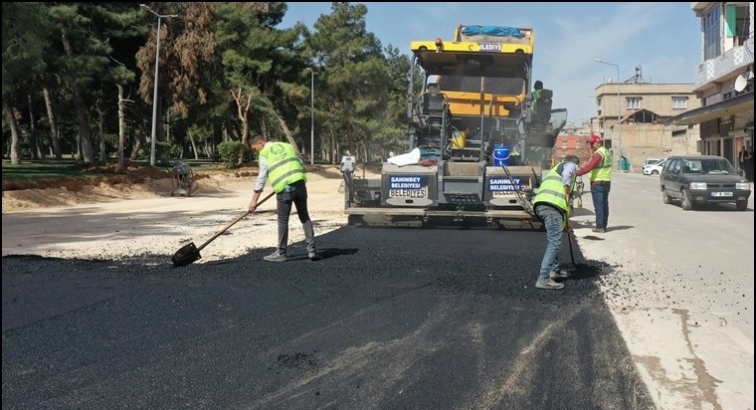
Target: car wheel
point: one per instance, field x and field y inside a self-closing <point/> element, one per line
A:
<point x="665" y="198"/>
<point x="687" y="204"/>
<point x="654" y="172"/>
<point x="741" y="205"/>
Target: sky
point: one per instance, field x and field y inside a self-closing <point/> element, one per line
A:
<point x="663" y="38"/>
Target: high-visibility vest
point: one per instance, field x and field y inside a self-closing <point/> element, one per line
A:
<point x="536" y="95"/>
<point x="551" y="190"/>
<point x="603" y="172"/>
<point x="284" y="167"/>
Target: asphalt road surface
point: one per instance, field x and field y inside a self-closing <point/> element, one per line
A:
<point x="390" y="319"/>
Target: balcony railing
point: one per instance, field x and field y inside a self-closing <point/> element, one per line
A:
<point x="718" y="67"/>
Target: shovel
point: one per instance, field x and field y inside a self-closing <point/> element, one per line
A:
<point x="190" y="253"/>
<point x="572" y="254"/>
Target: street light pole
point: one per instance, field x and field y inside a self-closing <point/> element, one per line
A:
<point x="312" y="117"/>
<point x="619" y="114"/>
<point x="155" y="86"/>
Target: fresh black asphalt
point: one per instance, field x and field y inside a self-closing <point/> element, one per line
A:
<point x="389" y="319"/>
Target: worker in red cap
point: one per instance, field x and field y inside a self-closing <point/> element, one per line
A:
<point x="600" y="168"/>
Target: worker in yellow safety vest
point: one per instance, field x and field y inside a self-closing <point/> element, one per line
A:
<point x="600" y="168"/>
<point x="279" y="162"/>
<point x="552" y="206"/>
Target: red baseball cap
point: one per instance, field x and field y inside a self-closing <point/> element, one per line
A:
<point x="594" y="139"/>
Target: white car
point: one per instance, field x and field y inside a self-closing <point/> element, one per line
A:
<point x="654" y="169"/>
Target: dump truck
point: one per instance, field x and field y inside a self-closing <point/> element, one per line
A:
<point x="478" y="144"/>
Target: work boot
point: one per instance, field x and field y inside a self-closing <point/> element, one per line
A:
<point x="275" y="257"/>
<point x="314" y="256"/>
<point x="559" y="274"/>
<point x="598" y="230"/>
<point x="548" y="284"/>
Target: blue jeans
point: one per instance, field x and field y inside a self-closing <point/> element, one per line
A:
<point x="600" y="195"/>
<point x="553" y="222"/>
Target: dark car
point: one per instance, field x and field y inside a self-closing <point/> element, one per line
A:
<point x="703" y="179"/>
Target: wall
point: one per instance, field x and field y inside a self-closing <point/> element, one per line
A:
<point x="641" y="141"/>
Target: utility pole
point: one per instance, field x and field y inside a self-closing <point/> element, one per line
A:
<point x="312" y="116"/>
<point x="155" y="87"/>
<point x="618" y="148"/>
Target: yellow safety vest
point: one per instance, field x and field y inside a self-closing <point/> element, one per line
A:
<point x="603" y="172"/>
<point x="551" y="190"/>
<point x="284" y="167"/>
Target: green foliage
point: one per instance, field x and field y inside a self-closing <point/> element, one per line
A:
<point x="24" y="41"/>
<point x="230" y="152"/>
<point x="215" y="58"/>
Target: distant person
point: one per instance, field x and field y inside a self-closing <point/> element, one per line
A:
<point x="600" y="167"/>
<point x="741" y="160"/>
<point x="535" y="95"/>
<point x="749" y="165"/>
<point x="553" y="207"/>
<point x="279" y="162"/>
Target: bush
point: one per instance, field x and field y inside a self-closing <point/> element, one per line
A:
<point x="230" y="152"/>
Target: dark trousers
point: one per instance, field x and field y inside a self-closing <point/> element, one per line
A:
<point x="600" y="196"/>
<point x="294" y="194"/>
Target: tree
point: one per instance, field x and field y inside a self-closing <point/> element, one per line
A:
<point x="24" y="31"/>
<point x="255" y="60"/>
<point x="187" y="48"/>
<point x="353" y="72"/>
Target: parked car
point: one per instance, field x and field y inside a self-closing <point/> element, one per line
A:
<point x="703" y="179"/>
<point x="650" y="161"/>
<point x="654" y="168"/>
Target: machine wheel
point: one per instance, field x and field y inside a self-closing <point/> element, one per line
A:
<point x="654" y="172"/>
<point x="665" y="198"/>
<point x="741" y="205"/>
<point x="687" y="203"/>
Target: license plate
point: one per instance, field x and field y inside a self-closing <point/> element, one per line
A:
<point x="409" y="193"/>
<point x="720" y="194"/>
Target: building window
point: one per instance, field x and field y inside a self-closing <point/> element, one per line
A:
<point x="633" y="103"/>
<point x="564" y="143"/>
<point x="679" y="103"/>
<point x="711" y="23"/>
<point x="564" y="151"/>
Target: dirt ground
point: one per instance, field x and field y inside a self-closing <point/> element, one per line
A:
<point x="125" y="216"/>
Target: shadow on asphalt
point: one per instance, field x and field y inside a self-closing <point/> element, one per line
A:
<point x="325" y="253"/>
<point x="619" y="228"/>
<point x="581" y="212"/>
<point x="716" y="208"/>
<point x="585" y="271"/>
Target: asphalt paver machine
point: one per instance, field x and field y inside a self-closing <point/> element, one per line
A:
<point x="477" y="143"/>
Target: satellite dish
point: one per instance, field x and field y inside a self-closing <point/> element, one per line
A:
<point x="740" y="83"/>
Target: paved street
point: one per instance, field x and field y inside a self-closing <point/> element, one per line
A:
<point x="682" y="290"/>
<point x="390" y="319"/>
<point x="393" y="319"/>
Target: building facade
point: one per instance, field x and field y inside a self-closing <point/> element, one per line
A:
<point x="644" y="110"/>
<point x="572" y="144"/>
<point x="724" y="79"/>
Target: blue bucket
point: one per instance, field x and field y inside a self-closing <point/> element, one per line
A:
<point x="501" y="155"/>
